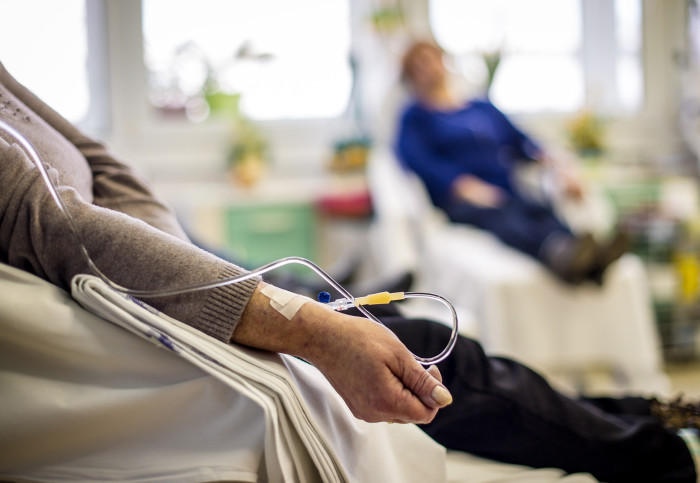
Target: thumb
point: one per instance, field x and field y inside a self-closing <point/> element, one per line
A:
<point x="429" y="389"/>
<point x="435" y="372"/>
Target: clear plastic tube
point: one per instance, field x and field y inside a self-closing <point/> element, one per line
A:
<point x="22" y="141"/>
<point x="453" y="335"/>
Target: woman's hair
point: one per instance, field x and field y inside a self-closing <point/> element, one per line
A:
<point x="412" y="50"/>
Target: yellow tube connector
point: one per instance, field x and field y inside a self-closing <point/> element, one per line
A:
<point x="379" y="298"/>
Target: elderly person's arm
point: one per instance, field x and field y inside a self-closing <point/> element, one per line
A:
<point x="35" y="236"/>
<point x="374" y="373"/>
<point x="560" y="166"/>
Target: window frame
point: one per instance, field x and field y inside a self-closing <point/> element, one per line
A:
<point x="99" y="115"/>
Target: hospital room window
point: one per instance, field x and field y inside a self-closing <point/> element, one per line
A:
<point x="558" y="61"/>
<point x="53" y="64"/>
<point x="275" y="59"/>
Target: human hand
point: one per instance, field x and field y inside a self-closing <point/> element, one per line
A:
<point x="478" y="192"/>
<point x="374" y="373"/>
<point x="572" y="187"/>
<point x="377" y="377"/>
<point x="566" y="176"/>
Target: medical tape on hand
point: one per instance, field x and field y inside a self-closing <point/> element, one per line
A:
<point x="284" y="302"/>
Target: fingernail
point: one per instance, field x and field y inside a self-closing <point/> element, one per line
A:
<point x="441" y="396"/>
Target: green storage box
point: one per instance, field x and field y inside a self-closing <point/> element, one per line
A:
<point x="259" y="234"/>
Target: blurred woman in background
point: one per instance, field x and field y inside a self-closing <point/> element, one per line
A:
<point x="465" y="153"/>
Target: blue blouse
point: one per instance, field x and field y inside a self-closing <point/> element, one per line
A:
<point x="476" y="139"/>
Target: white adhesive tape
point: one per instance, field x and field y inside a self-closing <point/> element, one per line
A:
<point x="285" y="302"/>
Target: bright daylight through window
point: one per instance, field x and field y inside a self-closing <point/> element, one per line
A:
<point x="546" y="61"/>
<point x="277" y="59"/>
<point x="53" y="64"/>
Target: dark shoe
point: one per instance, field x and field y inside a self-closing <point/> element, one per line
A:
<point x="607" y="254"/>
<point x="677" y="414"/>
<point x="571" y="258"/>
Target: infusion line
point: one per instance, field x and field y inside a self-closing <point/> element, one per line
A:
<point x="382" y="298"/>
<point x="347" y="302"/>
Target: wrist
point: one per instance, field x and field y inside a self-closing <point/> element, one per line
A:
<point x="306" y="335"/>
<point x="318" y="331"/>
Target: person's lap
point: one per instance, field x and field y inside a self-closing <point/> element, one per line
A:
<point x="518" y="223"/>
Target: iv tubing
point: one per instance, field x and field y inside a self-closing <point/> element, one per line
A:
<point x="225" y="281"/>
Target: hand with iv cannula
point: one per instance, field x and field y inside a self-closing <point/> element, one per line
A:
<point x="374" y="373"/>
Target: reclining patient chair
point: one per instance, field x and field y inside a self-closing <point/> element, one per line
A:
<point x="114" y="391"/>
<point x="517" y="308"/>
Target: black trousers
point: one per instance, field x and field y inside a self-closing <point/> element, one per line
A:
<point x="519" y="223"/>
<point x="504" y="411"/>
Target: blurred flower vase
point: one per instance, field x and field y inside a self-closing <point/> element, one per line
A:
<point x="249" y="154"/>
<point x="387" y="19"/>
<point x="222" y="104"/>
<point x="586" y="134"/>
<point x="350" y="154"/>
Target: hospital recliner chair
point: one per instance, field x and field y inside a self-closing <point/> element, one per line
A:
<point x="510" y="302"/>
<point x="121" y="393"/>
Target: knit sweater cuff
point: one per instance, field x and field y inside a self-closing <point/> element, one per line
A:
<point x="224" y="306"/>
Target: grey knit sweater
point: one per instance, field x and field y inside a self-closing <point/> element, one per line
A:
<point x="131" y="235"/>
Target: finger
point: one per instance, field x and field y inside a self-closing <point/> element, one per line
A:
<point x="435" y="372"/>
<point x="397" y="421"/>
<point x="422" y="415"/>
<point x="429" y="389"/>
<point x="441" y="396"/>
<point x="408" y="407"/>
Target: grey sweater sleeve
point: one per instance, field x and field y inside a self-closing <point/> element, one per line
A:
<point x="131" y="235"/>
<point x="34" y="236"/>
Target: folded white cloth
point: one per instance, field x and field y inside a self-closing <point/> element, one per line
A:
<point x="84" y="400"/>
<point x="309" y="431"/>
